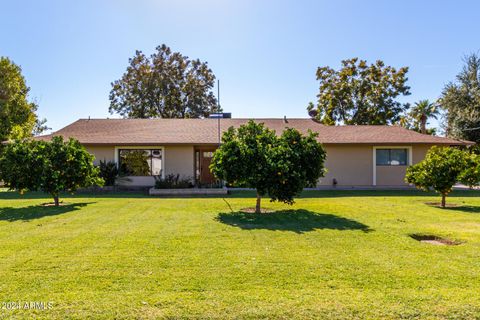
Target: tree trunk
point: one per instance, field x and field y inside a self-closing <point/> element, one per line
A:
<point x="257" y="207"/>
<point x="423" y="124"/>
<point x="55" y="199"/>
<point x="443" y="200"/>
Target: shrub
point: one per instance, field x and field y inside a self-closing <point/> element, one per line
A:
<point x="108" y="172"/>
<point x="173" y="181"/>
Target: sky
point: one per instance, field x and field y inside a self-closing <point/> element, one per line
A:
<point x="264" y="52"/>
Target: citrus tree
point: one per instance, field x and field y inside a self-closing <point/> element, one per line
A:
<point x="278" y="167"/>
<point x="20" y="165"/>
<point x="442" y="168"/>
<point x="52" y="167"/>
<point x="471" y="175"/>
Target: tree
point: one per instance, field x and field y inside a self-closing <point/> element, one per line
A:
<point x="296" y="162"/>
<point x="360" y="94"/>
<point x="461" y="101"/>
<point x="166" y="85"/>
<point x="442" y="168"/>
<point x="52" y="167"/>
<point x="422" y="111"/>
<point x="21" y="166"/>
<point x="471" y="175"/>
<point x="418" y="116"/>
<point x="17" y="114"/>
<point x="279" y="167"/>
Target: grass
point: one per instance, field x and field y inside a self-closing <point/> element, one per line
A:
<point x="334" y="254"/>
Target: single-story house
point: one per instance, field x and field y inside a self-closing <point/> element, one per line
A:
<point x="357" y="155"/>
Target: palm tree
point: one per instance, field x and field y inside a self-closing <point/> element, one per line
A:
<point x="422" y="111"/>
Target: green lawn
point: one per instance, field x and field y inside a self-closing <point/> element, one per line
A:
<point x="331" y="255"/>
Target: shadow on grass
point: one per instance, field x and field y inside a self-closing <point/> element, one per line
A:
<point x="36" y="212"/>
<point x="468" y="209"/>
<point x="14" y="195"/>
<point x="298" y="221"/>
<point x="318" y="194"/>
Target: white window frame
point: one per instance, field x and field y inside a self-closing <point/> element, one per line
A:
<point x="117" y="148"/>
<point x="409" y="156"/>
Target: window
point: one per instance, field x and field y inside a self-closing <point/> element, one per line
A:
<point x="140" y="162"/>
<point x="392" y="157"/>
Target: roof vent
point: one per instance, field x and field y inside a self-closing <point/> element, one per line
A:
<point x="285" y="119"/>
<point x="222" y="115"/>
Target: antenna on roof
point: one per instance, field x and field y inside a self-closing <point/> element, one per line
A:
<point x="218" y="110"/>
<point x="89" y="118"/>
<point x="218" y="95"/>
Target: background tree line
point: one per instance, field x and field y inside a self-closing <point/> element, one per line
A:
<point x="18" y="118"/>
<point x="168" y="84"/>
<point x="361" y="94"/>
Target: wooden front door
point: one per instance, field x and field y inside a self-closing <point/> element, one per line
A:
<point x="206" y="177"/>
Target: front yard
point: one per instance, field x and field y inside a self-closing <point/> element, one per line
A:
<point x="331" y="255"/>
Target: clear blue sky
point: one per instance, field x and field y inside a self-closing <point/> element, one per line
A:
<point x="265" y="53"/>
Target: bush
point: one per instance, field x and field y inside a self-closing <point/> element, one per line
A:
<point x="108" y="172"/>
<point x="52" y="167"/>
<point x="173" y="181"/>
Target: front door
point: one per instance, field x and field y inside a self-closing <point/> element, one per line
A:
<point x="206" y="176"/>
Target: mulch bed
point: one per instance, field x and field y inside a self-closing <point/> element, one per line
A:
<point x="435" y="240"/>
<point x="252" y="210"/>
<point x="52" y="204"/>
<point x="439" y="205"/>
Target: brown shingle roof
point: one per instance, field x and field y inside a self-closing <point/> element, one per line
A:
<point x="205" y="131"/>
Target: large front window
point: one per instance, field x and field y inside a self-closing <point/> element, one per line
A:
<point x="392" y="157"/>
<point x="140" y="162"/>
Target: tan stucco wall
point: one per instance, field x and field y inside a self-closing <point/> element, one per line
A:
<point x="419" y="152"/>
<point x="350" y="165"/>
<point x="179" y="160"/>
<point x="106" y="153"/>
<point x="391" y="175"/>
